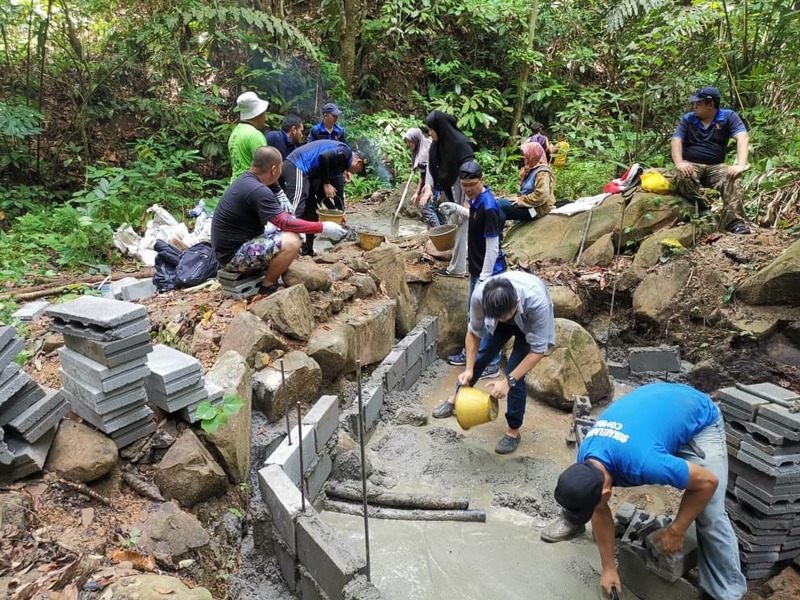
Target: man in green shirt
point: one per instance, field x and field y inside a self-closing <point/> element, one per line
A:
<point x="248" y="135"/>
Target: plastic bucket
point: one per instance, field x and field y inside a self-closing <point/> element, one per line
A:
<point x="443" y="237"/>
<point x="368" y="241"/>
<point x="331" y="214"/>
<point x="475" y="407"/>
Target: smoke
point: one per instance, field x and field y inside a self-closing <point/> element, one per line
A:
<point x="376" y="162"/>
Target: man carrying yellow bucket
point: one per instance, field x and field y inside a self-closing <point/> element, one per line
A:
<point x="512" y="304"/>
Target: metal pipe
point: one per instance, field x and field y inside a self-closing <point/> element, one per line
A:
<point x="361" y="437"/>
<point x="286" y="404"/>
<point x="302" y="464"/>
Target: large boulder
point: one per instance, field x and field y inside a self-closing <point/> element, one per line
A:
<point x="333" y="348"/>
<point x="249" y="336"/>
<point x="303" y="378"/>
<point x="364" y="285"/>
<point x="777" y="283"/>
<point x="575" y="367"/>
<point x="153" y="587"/>
<point x="80" y="453"/>
<point x="387" y="260"/>
<point x="188" y="473"/>
<point x="647" y="213"/>
<point x="170" y="532"/>
<point x="289" y="310"/>
<point x="232" y="440"/>
<point x="653" y="250"/>
<point x="308" y="273"/>
<point x="373" y="323"/>
<point x="658" y="291"/>
<point x="566" y="303"/>
<point x="446" y="299"/>
<point x="599" y="254"/>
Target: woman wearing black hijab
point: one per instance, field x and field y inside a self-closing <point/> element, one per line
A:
<point x="449" y="150"/>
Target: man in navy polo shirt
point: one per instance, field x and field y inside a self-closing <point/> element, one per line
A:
<point x="699" y="146"/>
<point x="659" y="434"/>
<point x="288" y="137"/>
<point x="332" y="191"/>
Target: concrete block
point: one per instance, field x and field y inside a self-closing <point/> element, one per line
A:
<point x="777" y="427"/>
<point x="12" y="384"/>
<point x="5" y="454"/>
<point x="413" y="344"/>
<point x="41" y="416"/>
<point x="92" y="312"/>
<point x="193" y="394"/>
<point x="618" y="370"/>
<point x="431" y="326"/>
<point x="109" y="425"/>
<point x="647" y="585"/>
<point x="777" y="460"/>
<point x="771" y="393"/>
<point x="412" y="373"/>
<point x="28" y="458"/>
<point x="116" y="286"/>
<point x="142" y="429"/>
<point x="100" y="402"/>
<point x="372" y="398"/>
<point x="625" y="513"/>
<point x="786" y="474"/>
<point x="316" y="478"/>
<point x="168" y="365"/>
<point x="673" y="566"/>
<point x="283" y="500"/>
<point x="754" y="522"/>
<point x="106" y="379"/>
<point x="31" y="311"/>
<point x="783" y="416"/>
<point x="765" y="507"/>
<point x="641" y="525"/>
<point x="741" y="400"/>
<point x="287" y="562"/>
<point x="430" y="356"/>
<point x="28" y="394"/>
<point x="762" y="433"/>
<point x="114" y="353"/>
<point x="656" y="358"/>
<point x="581" y="407"/>
<point x="287" y="456"/>
<point x="309" y="588"/>
<point x="325" y="555"/>
<point x="10" y="350"/>
<point x="143" y="288"/>
<point x="324" y="419"/>
<point x="97" y="334"/>
<point x="396" y="364"/>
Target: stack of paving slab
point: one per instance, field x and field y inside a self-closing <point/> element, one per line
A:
<point x="239" y="285"/>
<point x="763" y="427"/>
<point x="29" y="414"/>
<point x="175" y="383"/>
<point x="104" y="364"/>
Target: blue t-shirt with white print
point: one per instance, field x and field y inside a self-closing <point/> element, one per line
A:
<point x="636" y="438"/>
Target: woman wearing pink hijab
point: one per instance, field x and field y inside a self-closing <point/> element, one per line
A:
<point x="537" y="182"/>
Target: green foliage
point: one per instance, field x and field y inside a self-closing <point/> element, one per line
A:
<point x="133" y="537"/>
<point x="727" y="298"/>
<point x="582" y="177"/>
<point x="213" y="417"/>
<point x="17" y="123"/>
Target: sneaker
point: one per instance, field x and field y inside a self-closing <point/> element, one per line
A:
<point x="490" y="372"/>
<point x="458" y="360"/>
<point x="561" y="530"/>
<point x="267" y="290"/>
<point x="507" y="444"/>
<point x="444" y="410"/>
<point x="739" y="228"/>
<point x="446" y="273"/>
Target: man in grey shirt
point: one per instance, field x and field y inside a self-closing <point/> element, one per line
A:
<point x="512" y="304"/>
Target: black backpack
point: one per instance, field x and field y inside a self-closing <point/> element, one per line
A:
<point x="197" y="265"/>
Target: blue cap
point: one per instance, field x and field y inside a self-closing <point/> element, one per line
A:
<point x="330" y="107"/>
<point x="705" y="93"/>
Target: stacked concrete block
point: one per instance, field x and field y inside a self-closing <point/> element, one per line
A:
<point x="763" y="431"/>
<point x="239" y="285"/>
<point x="104" y="364"/>
<point x="31" y="311"/>
<point x="29" y="414"/>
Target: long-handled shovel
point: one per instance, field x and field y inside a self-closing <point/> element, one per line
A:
<point x="400" y="204"/>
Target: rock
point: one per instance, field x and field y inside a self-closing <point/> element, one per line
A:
<point x="599" y="254"/>
<point x="232" y="440"/>
<point x="332" y="347"/>
<point x="337" y="271"/>
<point x="373" y="323"/>
<point x="411" y="415"/>
<point x="777" y="283"/>
<point x="52" y="343"/>
<point x="188" y="473"/>
<point x="575" y="367"/>
<point x="418" y="273"/>
<point x="80" y="453"/>
<point x="658" y="291"/>
<point x="364" y="285"/>
<point x="13" y="510"/>
<point x="647" y="213"/>
<point x="289" y="310"/>
<point x="344" y="290"/>
<point x="344" y="442"/>
<point x="446" y="299"/>
<point x="348" y="465"/>
<point x="248" y="335"/>
<point x="387" y="260"/>
<point x="358" y="264"/>
<point x="566" y="303"/>
<point x="153" y="587"/>
<point x="704" y="376"/>
<point x="651" y="250"/>
<point x="171" y="532"/>
<point x="303" y="379"/>
<point x="308" y="273"/>
<point x="204" y="340"/>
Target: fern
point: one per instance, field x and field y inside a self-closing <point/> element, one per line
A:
<point x="627" y="9"/>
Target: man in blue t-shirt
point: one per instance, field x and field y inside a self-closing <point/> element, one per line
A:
<point x="659" y="434"/>
<point x="699" y="147"/>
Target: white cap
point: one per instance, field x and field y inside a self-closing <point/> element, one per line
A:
<point x="250" y="106"/>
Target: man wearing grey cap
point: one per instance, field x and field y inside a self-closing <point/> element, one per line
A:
<point x="699" y="147"/>
<point x="248" y="135"/>
<point x="332" y="190"/>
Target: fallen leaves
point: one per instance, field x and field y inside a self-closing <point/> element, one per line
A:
<point x="137" y="560"/>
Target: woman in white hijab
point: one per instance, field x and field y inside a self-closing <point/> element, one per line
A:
<point x="420" y="146"/>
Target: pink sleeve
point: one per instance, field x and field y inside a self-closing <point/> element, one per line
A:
<point x="286" y="222"/>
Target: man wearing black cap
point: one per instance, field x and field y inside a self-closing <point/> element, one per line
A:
<point x="659" y="434"/>
<point x="332" y="191"/>
<point x="699" y="147"/>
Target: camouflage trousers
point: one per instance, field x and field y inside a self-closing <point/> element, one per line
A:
<point x="716" y="177"/>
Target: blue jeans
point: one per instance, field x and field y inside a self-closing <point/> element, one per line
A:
<point x="718" y="552"/>
<point x="490" y="347"/>
<point x="473" y="281"/>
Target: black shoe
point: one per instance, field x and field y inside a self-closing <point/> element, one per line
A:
<point x="507" y="444"/>
<point x="444" y="410"/>
<point x="268" y="290"/>
<point x="739" y="228"/>
<point x="703" y="209"/>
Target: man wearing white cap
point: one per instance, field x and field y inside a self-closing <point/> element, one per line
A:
<point x="248" y="135"/>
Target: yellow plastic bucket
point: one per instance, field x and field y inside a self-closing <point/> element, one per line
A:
<point x="475" y="407"/>
<point x="331" y="214"/>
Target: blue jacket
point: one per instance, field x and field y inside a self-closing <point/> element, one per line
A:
<point x="318" y="132"/>
<point x="279" y="140"/>
<point x="322" y="159"/>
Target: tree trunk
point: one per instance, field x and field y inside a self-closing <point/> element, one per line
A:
<point x="351" y="24"/>
<point x="524" y="74"/>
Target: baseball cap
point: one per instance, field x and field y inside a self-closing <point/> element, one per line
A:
<point x="470" y="170"/>
<point x="330" y="107"/>
<point x="705" y="93"/>
<point x="250" y="106"/>
<point x="578" y="491"/>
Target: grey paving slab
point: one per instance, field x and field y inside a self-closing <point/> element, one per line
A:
<point x="100" y="402"/>
<point x="114" y="353"/>
<point x="175" y="402"/>
<point x="8" y="372"/>
<point x="142" y="288"/>
<point x="28" y="458"/>
<point x="770" y="484"/>
<point x="109" y="426"/>
<point x="731" y="413"/>
<point x="99" y="334"/>
<point x="106" y="379"/>
<point x="783" y="415"/>
<point x="756" y="523"/>
<point x="778" y="428"/>
<point x="35" y="412"/>
<point x="10" y="388"/>
<point x="769" y="496"/>
<point x="224" y="275"/>
<point x="10" y="351"/>
<point x="771" y="392"/>
<point x="215" y="396"/>
<point x="767" y="509"/>
<point x="789" y="473"/>
<point x="772" y="539"/>
<point x="31" y="311"/>
<point x="48" y="421"/>
<point x="116" y="286"/>
<point x="168" y="364"/>
<point x="7" y="333"/>
<point x="759" y="432"/>
<point x="759" y="442"/>
<point x="742" y="400"/>
<point x="132" y="436"/>
<point x="92" y="311"/>
<point x="29" y="394"/>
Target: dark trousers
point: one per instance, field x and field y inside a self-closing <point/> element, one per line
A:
<point x="297" y="187"/>
<point x="489" y="349"/>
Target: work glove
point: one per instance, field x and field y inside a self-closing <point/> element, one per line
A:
<point x="333" y="231"/>
<point x="286" y="204"/>
<point x="449" y="209"/>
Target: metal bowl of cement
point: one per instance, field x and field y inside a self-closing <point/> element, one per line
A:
<point x="331" y="214"/>
<point x="443" y="237"/>
<point x="475" y="407"/>
<point x="368" y="241"/>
